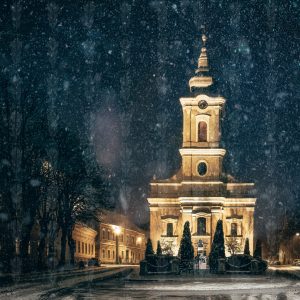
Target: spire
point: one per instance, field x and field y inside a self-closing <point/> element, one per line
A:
<point x="202" y="78"/>
<point x="202" y="60"/>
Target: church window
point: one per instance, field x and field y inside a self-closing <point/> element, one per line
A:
<point x="233" y="229"/>
<point x="202" y="168"/>
<point x="202" y="131"/>
<point x="201" y="226"/>
<point x="170" y="229"/>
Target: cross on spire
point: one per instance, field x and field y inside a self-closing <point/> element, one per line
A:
<point x="202" y="78"/>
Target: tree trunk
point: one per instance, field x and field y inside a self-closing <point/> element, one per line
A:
<point x="71" y="244"/>
<point x="51" y="253"/>
<point x="6" y="248"/>
<point x="24" y="249"/>
<point x="63" y="242"/>
<point x="42" y="246"/>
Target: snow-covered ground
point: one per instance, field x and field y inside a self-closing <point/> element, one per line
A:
<point x="238" y="287"/>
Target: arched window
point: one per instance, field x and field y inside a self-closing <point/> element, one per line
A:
<point x="201" y="226"/>
<point x="170" y="229"/>
<point x="233" y="229"/>
<point x="202" y="131"/>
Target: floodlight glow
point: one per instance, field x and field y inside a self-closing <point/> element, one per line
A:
<point x="117" y="229"/>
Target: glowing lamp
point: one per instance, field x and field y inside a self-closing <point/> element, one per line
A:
<point x="117" y="229"/>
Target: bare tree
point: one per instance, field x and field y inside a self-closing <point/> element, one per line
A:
<point x="233" y="245"/>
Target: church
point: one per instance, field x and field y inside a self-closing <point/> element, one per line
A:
<point x="200" y="192"/>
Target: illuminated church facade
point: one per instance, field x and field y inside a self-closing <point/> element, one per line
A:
<point x="200" y="192"/>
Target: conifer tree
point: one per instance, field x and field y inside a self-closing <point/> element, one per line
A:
<point x="186" y="250"/>
<point x="158" y="249"/>
<point x="258" y="249"/>
<point x="247" y="249"/>
<point x="149" y="248"/>
<point x="217" y="247"/>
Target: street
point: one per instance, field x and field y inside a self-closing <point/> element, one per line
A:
<point x="226" y="287"/>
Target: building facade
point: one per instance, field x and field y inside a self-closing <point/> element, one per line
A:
<point x="85" y="242"/>
<point x="200" y="192"/>
<point x="120" y="241"/>
<point x="114" y="234"/>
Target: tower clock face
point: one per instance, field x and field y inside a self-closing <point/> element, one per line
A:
<point x="202" y="104"/>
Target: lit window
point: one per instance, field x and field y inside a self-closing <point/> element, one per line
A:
<point x="202" y="132"/>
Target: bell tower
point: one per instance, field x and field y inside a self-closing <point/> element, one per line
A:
<point x="200" y="192"/>
<point x="201" y="156"/>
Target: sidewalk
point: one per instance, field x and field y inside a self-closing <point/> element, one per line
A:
<point x="288" y="271"/>
<point x="61" y="276"/>
<point x="29" y="290"/>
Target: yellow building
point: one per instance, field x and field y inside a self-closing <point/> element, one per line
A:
<point x="200" y="192"/>
<point x="118" y="235"/>
<point x="102" y="241"/>
<point x="85" y="242"/>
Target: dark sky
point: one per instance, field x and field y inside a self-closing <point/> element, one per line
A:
<point x="121" y="67"/>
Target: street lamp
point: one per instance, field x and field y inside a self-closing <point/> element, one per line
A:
<point x="297" y="234"/>
<point x="117" y="231"/>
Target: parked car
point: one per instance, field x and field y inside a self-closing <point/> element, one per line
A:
<point x="296" y="262"/>
<point x="94" y="262"/>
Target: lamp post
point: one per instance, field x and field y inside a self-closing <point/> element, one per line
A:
<point x="117" y="231"/>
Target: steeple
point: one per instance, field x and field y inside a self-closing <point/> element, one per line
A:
<point x="202" y="79"/>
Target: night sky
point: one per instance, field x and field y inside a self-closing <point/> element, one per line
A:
<point x="121" y="67"/>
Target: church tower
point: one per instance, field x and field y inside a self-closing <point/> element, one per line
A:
<point x="200" y="192"/>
